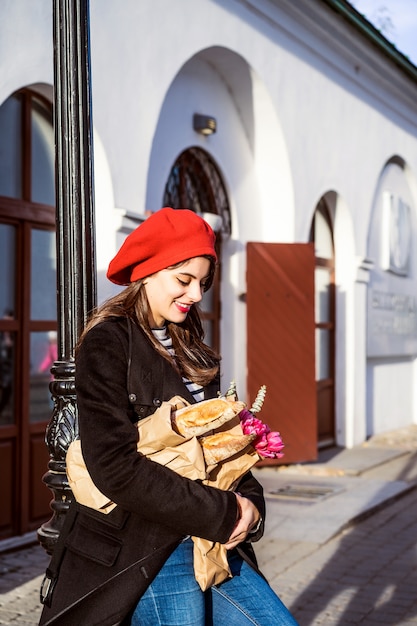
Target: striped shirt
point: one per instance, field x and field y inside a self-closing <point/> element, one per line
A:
<point x="161" y="334"/>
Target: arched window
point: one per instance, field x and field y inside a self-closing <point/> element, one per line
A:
<point x="27" y="306"/>
<point x="195" y="183"/>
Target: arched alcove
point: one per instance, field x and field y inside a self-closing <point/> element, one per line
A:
<point x="254" y="168"/>
<point x="392" y="302"/>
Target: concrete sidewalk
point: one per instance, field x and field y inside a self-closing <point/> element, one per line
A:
<point x="315" y="501"/>
<point x="21" y="573"/>
<point x="341" y="540"/>
<point x="314" y="510"/>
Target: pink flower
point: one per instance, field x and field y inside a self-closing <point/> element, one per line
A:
<point x="268" y="443"/>
<point x="275" y="445"/>
<point x="252" y="425"/>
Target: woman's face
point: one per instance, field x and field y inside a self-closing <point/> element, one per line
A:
<point x="172" y="292"/>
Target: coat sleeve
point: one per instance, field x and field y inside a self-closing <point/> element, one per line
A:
<point x="109" y="445"/>
<point x="250" y="488"/>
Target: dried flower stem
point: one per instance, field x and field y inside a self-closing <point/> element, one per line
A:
<point x="259" y="400"/>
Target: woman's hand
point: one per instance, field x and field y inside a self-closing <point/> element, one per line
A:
<point x="248" y="519"/>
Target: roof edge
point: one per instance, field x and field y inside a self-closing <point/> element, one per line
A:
<point x="358" y="21"/>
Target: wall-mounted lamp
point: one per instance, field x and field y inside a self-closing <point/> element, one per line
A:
<point x="204" y="124"/>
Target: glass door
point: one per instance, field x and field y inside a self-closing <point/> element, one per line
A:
<point x="321" y="235"/>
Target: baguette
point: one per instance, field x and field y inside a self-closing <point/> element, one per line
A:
<point x="196" y="419"/>
<point x="223" y="445"/>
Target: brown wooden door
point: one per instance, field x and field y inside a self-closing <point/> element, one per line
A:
<point x="280" y="342"/>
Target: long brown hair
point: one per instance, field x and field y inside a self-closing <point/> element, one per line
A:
<point x="193" y="359"/>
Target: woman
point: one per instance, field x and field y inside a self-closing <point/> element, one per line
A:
<point x="141" y="348"/>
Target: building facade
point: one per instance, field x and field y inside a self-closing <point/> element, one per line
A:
<point x="310" y="174"/>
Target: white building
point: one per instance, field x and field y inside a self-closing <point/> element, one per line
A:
<point x="316" y="138"/>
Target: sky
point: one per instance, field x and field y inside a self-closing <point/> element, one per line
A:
<point x="396" y="19"/>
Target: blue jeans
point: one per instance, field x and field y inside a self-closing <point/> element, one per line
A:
<point x="175" y="599"/>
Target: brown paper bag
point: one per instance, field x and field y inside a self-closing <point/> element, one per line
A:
<point x="160" y="443"/>
<point x="157" y="441"/>
<point x="210" y="558"/>
<point x="81" y="484"/>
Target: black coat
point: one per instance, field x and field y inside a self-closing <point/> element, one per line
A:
<point x="109" y="560"/>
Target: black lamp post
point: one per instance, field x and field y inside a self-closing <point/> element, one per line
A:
<point x="76" y="276"/>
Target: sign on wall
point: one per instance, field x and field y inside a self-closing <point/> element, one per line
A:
<point x="392" y="290"/>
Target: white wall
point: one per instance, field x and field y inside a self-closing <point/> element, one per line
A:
<point x="26" y="56"/>
<point x="391" y="394"/>
<point x="304" y="106"/>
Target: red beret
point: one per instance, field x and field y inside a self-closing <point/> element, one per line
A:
<point x="167" y="237"/>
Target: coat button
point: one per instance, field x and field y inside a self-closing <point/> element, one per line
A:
<point x="156" y="402"/>
<point x="132" y="397"/>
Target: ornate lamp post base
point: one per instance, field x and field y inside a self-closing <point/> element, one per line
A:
<point x="62" y="429"/>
